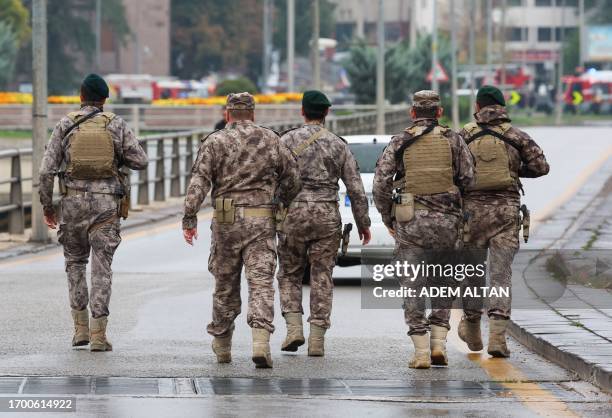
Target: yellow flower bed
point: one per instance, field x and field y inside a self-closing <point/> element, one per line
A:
<point x="278" y="98"/>
<point x="64" y="99"/>
<point x="15" y="98"/>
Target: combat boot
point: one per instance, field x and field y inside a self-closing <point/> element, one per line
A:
<point x="316" y="341"/>
<point x="469" y="331"/>
<point x="222" y="347"/>
<point x="422" y="356"/>
<point x="81" y="328"/>
<point x="295" y="332"/>
<point x="497" y="338"/>
<point x="438" y="346"/>
<point x="97" y="335"/>
<point x="261" y="348"/>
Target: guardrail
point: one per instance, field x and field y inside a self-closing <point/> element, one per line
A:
<point x="171" y="156"/>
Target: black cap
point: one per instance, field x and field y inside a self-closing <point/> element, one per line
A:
<point x="490" y="95"/>
<point x="96" y="87"/>
<point x="315" y="100"/>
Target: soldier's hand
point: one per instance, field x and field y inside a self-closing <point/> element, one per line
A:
<point x="391" y="232"/>
<point x="50" y="220"/>
<point x="190" y="235"/>
<point x="365" y="236"/>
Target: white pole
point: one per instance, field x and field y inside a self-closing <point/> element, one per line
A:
<point x="291" y="45"/>
<point x="434" y="47"/>
<point x="98" y="34"/>
<point x="472" y="54"/>
<point x="315" y="46"/>
<point x="455" y="99"/>
<point x="380" y="72"/>
<point x="581" y="33"/>
<point x="39" y="112"/>
<point x="561" y="40"/>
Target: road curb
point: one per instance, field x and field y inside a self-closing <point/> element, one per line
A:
<point x="575" y="363"/>
<point x="571" y="351"/>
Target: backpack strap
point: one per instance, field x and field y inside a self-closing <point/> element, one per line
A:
<point x="313" y="138"/>
<point x="487" y="131"/>
<point x="399" y="154"/>
<point x="77" y="123"/>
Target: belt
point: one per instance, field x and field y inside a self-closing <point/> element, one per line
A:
<point x="247" y="212"/>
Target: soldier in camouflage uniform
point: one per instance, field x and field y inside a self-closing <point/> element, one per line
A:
<point x="311" y="232"/>
<point x="89" y="218"/>
<point x="425" y="168"/>
<point x="502" y="155"/>
<point x="249" y="170"/>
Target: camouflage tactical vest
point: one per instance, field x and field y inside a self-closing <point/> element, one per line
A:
<point x="491" y="159"/>
<point x="92" y="153"/>
<point x="428" y="163"/>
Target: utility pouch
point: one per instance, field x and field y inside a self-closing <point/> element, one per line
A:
<point x="526" y="221"/>
<point x="225" y="212"/>
<point x="61" y="181"/>
<point x="403" y="207"/>
<point x="466" y="232"/>
<point x="279" y="216"/>
<point x="125" y="202"/>
<point x="346" y="237"/>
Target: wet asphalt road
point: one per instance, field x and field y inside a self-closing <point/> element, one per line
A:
<point x="162" y="302"/>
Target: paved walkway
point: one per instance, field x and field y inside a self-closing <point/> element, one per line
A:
<point x="562" y="305"/>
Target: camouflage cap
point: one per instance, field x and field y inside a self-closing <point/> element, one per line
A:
<point x="426" y="99"/>
<point x="240" y="101"/>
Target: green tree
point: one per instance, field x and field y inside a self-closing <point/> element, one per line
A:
<point x="16" y="15"/>
<point x="406" y="69"/>
<point x="303" y="24"/>
<point x="71" y="37"/>
<point x="237" y="85"/>
<point x="8" y="52"/>
<point x="214" y="35"/>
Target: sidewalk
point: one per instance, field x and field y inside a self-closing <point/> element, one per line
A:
<point x="571" y="254"/>
<point x="12" y="246"/>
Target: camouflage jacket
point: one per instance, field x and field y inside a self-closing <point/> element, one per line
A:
<point x="128" y="153"/>
<point x="322" y="164"/>
<point x="244" y="162"/>
<point x="529" y="162"/>
<point x="389" y="167"/>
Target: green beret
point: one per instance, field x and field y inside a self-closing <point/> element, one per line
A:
<point x="96" y="86"/>
<point x="489" y="95"/>
<point x="315" y="100"/>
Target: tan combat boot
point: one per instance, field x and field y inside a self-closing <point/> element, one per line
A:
<point x="81" y="328"/>
<point x="422" y="355"/>
<point x="261" y="348"/>
<point x="438" y="346"/>
<point x="316" y="341"/>
<point x="497" y="338"/>
<point x="295" y="332"/>
<point x="97" y="335"/>
<point x="469" y="332"/>
<point x="222" y="347"/>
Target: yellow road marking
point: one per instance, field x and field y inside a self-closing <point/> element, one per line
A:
<point x="146" y="231"/>
<point x="571" y="190"/>
<point x="534" y="396"/>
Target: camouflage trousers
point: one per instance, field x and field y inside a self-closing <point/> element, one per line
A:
<point x="421" y="240"/>
<point x="248" y="242"/>
<point x="89" y="225"/>
<point x="496" y="228"/>
<point x="310" y="235"/>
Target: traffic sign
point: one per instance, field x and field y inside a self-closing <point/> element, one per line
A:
<point x="441" y="74"/>
<point x="515" y="97"/>
<point x="577" y="98"/>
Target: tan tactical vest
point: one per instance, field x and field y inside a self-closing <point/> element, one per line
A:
<point x="92" y="154"/>
<point x="491" y="159"/>
<point x="428" y="163"/>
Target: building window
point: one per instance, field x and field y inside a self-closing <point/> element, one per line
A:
<point x="568" y="32"/>
<point x="514" y="3"/>
<point x="515" y="34"/>
<point x="544" y="34"/>
<point x="543" y="3"/>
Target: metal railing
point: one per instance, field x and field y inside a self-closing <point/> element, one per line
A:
<point x="171" y="157"/>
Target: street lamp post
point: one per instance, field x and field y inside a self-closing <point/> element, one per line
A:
<point x="290" y="45"/>
<point x="380" y="72"/>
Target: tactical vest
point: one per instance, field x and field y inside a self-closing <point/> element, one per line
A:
<point x="428" y="163"/>
<point x="91" y="149"/>
<point x="491" y="158"/>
